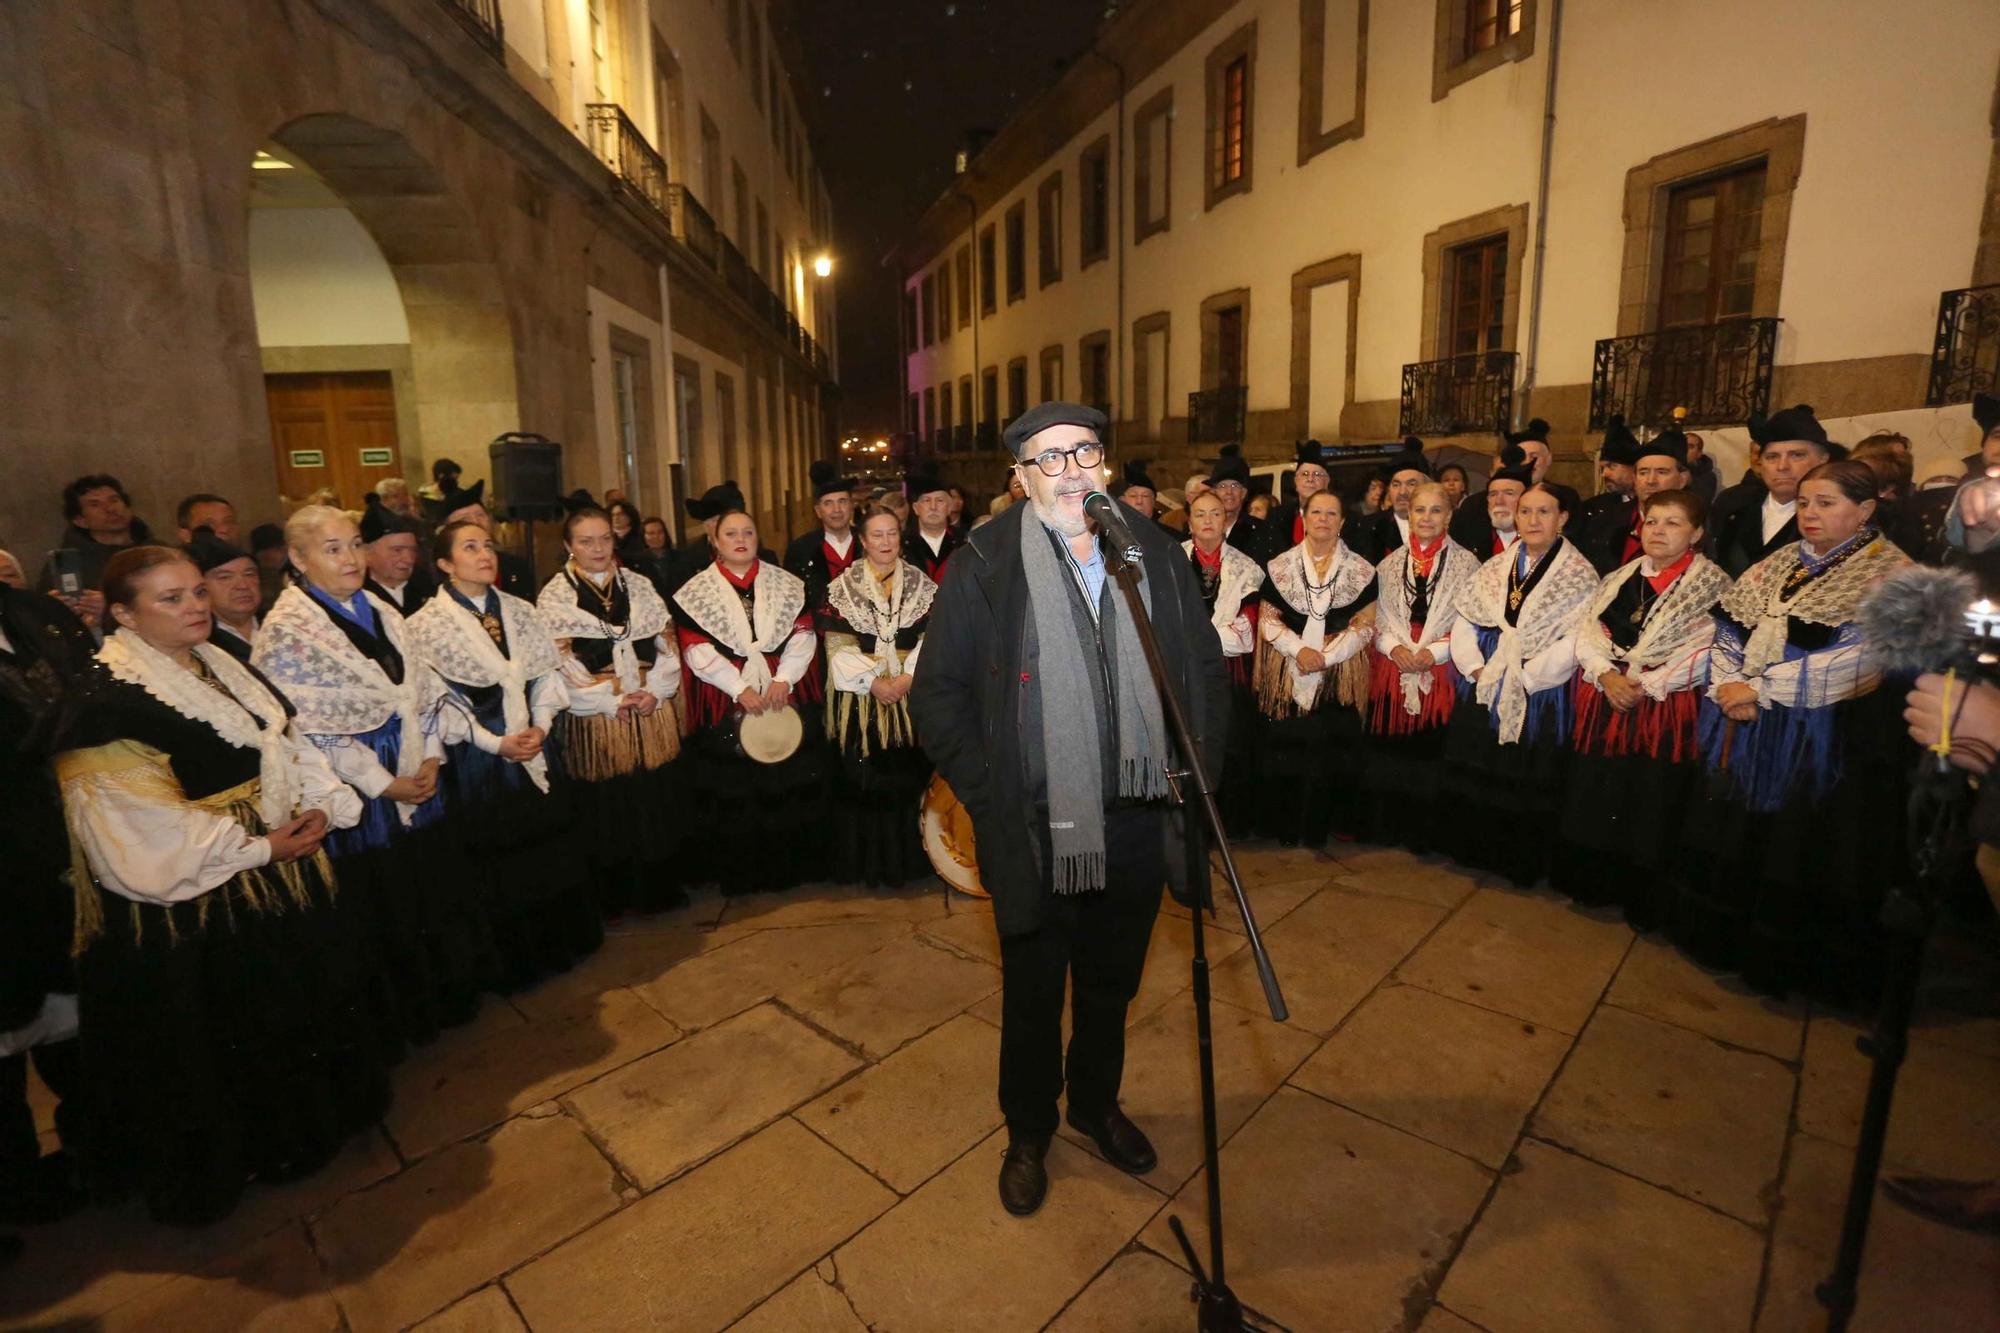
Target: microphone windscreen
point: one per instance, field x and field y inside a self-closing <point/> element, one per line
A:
<point x="1914" y="620"/>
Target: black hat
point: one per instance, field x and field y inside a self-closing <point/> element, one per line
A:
<point x="209" y="551"/>
<point x="826" y="480"/>
<point x="1230" y="467"/>
<point x="1308" y="451"/>
<point x="1793" y="423"/>
<point x="267" y="537"/>
<point x="1513" y="467"/>
<point x="716" y="501"/>
<point x="577" y="501"/>
<point x="922" y="484"/>
<point x="1536" y="429"/>
<point x="1044" y="415"/>
<point x="1986" y="411"/>
<point x="378" y="520"/>
<point x="1620" y="444"/>
<point x="1410" y="460"/>
<point x="1567" y="500"/>
<point x="443" y="465"/>
<point x="1136" y="475"/>
<point x="437" y="511"/>
<point x="1669" y="443"/>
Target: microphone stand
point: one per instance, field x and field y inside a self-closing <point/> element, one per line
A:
<point x="1217" y="1309"/>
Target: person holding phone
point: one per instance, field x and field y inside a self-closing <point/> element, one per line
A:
<point x="100" y="524"/>
<point x="220" y="979"/>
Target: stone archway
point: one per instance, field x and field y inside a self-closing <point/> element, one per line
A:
<point x="462" y="360"/>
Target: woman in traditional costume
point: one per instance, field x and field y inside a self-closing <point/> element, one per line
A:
<point x="620" y="736"/>
<point x="1311" y="680"/>
<point x="1229" y="581"/>
<point x="344" y="660"/>
<point x="1412" y="685"/>
<point x="748" y="643"/>
<point x="1789" y="849"/>
<point x="877" y="611"/>
<point x="505" y="691"/>
<point x="1642" y="654"/>
<point x="1507" y="744"/>
<point x="224" y="984"/>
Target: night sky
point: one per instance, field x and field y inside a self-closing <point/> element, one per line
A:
<point x="901" y="82"/>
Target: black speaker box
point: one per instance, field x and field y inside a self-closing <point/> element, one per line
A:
<point x="527" y="475"/>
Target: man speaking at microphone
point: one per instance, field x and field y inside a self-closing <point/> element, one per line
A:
<point x="1036" y="703"/>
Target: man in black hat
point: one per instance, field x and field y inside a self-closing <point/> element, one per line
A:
<point x="1533" y="442"/>
<point x="1611" y="538"/>
<point x="929" y="542"/>
<point x="1759" y="520"/>
<point x="233" y="591"/>
<point x="1136" y="488"/>
<point x="1599" y="526"/>
<point x="1388" y="528"/>
<point x="1485" y="525"/>
<point x="1285" y="527"/>
<point x="821" y="556"/>
<point x="394" y="552"/>
<point x="1230" y="480"/>
<point x="1036" y="704"/>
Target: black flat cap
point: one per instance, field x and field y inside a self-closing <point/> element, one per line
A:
<point x="1044" y="415"/>
<point x="378" y="521"/>
<point x="715" y="501"/>
<point x="1669" y="443"/>
<point x="209" y="551"/>
<point x="917" y="487"/>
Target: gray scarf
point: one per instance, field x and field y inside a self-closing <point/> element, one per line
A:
<point x="1070" y="720"/>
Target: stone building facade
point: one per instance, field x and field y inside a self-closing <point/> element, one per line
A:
<point x="503" y="214"/>
<point x="1348" y="220"/>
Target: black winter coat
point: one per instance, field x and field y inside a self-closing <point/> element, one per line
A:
<point x="968" y="706"/>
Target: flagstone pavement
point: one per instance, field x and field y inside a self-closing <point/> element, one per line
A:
<point x="1489" y="1109"/>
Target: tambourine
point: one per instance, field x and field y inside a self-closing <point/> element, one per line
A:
<point x="770" y="737"/>
<point x="946" y="828"/>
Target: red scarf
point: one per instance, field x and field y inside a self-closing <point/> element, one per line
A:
<point x="749" y="575"/>
<point x="836" y="563"/>
<point x="1208" y="561"/>
<point x="1633" y="547"/>
<point x="1665" y="578"/>
<point x="1299" y="526"/>
<point x="1421" y="556"/>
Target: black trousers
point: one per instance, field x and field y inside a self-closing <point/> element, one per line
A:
<point x="1096" y="943"/>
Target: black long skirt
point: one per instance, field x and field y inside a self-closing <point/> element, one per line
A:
<point x="1503" y="800"/>
<point x="225" y="1040"/>
<point x="630" y="827"/>
<point x="874" y="808"/>
<point x="1308" y="776"/>
<point x="1238" y="785"/>
<point x="758" y="820"/>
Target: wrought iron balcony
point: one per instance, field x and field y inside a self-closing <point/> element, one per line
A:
<point x="694" y="227"/>
<point x="987" y="437"/>
<point x="1720" y="372"/>
<point x="1458" y="395"/>
<point x="481" y="18"/>
<point x="1965" y="358"/>
<point x="1215" y="416"/>
<point x="736" y="273"/>
<point x="961" y="437"/>
<point x="618" y="143"/>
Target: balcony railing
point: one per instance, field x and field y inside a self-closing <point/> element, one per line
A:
<point x="1458" y="395"/>
<point x="987" y="437"/>
<point x="695" y="227"/>
<point x="736" y="273"/>
<point x="1965" y="359"/>
<point x="618" y="143"/>
<point x="1721" y="373"/>
<point x="481" y="18"/>
<point x="1215" y="416"/>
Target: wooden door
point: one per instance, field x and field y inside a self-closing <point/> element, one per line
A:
<point x="333" y="430"/>
<point x="1229" y="347"/>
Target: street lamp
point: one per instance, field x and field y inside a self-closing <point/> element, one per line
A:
<point x="823" y="266"/>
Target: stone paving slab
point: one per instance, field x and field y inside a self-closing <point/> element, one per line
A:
<point x="1441" y="883"/>
<point x="1568" y="1244"/>
<point x="464" y="1083"/>
<point x="1915" y="1275"/>
<point x="969" y="932"/>
<point x="811" y="1303"/>
<point x="1661" y="982"/>
<point x="1459" y="1076"/>
<point x="902" y="990"/>
<point x="1168" y="957"/>
<point x="627" y="958"/>
<point x="908" y="1117"/>
<point x="827" y="904"/>
<point x="1162" y="1088"/>
<point x="1334" y="1221"/>
<point x="1441" y="1320"/>
<point x="660" y="1115"/>
<point x="1675" y="1108"/>
<point x="1139" y="1293"/>
<point x="1273" y="894"/>
<point x="949" y="1252"/>
<point x="703" y="1250"/>
<point x="1529" y="955"/>
<point x="1329" y="954"/>
<point x="485" y="1311"/>
<point x="1945" y="1119"/>
<point x="457" y="1220"/>
<point x="751" y="969"/>
<point x="274" y="1284"/>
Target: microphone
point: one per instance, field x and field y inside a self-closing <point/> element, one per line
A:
<point x="1099" y="506"/>
<point x="1923" y="619"/>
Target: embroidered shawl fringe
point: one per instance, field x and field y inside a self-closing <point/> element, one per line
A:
<point x="597" y="749"/>
<point x="1346" y="683"/>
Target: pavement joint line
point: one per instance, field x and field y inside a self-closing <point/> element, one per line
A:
<point x="1796" y="1066"/>
<point x="1487" y="1008"/>
<point x="873" y="1174"/>
<point x="1400" y="1129"/>
<point x="1792" y="1131"/>
<point x="853" y="1048"/>
<point x="1764" y="1229"/>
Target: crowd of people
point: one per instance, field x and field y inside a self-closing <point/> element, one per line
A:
<point x="287" y="806"/>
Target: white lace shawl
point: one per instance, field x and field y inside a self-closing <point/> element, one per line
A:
<point x="131" y="659"/>
<point x="709" y="600"/>
<point x="452" y="642"/>
<point x="1677" y="620"/>
<point x="1757" y="601"/>
<point x="1546" y="614"/>
<point x="1241" y="576"/>
<point x="565" y="619"/>
<point x="334" y="688"/>
<point x="1351" y="574"/>
<point x="857" y="597"/>
<point x="1392" y="609"/>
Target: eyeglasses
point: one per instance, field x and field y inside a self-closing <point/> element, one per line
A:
<point x="1054" y="462"/>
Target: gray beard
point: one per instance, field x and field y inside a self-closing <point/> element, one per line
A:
<point x="1058" y="523"/>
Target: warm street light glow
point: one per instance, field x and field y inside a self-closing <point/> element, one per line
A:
<point x="823" y="266"/>
<point x="263" y="161"/>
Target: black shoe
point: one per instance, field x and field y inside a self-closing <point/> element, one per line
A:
<point x="1024" y="1181"/>
<point x="1966" y="1205"/>
<point x="1123" y="1143"/>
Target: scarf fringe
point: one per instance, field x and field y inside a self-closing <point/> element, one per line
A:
<point x="1386" y="714"/>
<point x="597" y="749"/>
<point x="1657" y="728"/>
<point x="1079" y="873"/>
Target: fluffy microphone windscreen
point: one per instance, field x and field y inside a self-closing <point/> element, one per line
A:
<point x="1914" y="620"/>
